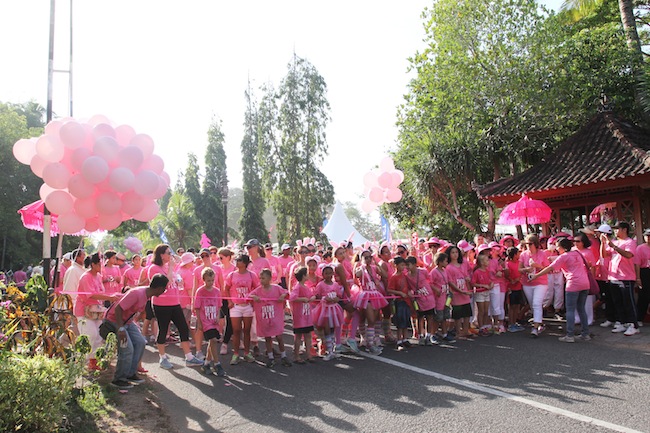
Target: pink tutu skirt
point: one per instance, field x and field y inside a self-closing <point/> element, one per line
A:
<point x="361" y="298"/>
<point x="328" y="315"/>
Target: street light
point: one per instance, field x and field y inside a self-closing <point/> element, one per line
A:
<point x="224" y="201"/>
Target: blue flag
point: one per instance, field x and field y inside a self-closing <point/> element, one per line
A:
<point x="162" y="235"/>
<point x="385" y="229"/>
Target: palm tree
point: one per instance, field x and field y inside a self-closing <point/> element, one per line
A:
<point x="179" y="222"/>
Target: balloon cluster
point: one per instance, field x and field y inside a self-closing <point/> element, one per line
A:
<point x="133" y="244"/>
<point x="95" y="175"/>
<point x="382" y="185"/>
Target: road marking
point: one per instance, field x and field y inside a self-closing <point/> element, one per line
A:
<point x="478" y="387"/>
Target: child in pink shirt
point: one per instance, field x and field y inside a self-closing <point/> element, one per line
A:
<point x="440" y="283"/>
<point x="329" y="314"/>
<point x="268" y="302"/>
<point x="207" y="303"/>
<point x="482" y="284"/>
<point x="303" y="324"/>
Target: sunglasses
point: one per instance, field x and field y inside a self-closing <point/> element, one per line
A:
<point x="203" y="256"/>
<point x="213" y="253"/>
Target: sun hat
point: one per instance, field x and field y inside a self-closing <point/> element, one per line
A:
<point x="494" y="244"/>
<point x="483" y="247"/>
<point x="434" y="240"/>
<point x="464" y="245"/>
<point x="187" y="258"/>
<point x="604" y="228"/>
<point x="514" y="240"/>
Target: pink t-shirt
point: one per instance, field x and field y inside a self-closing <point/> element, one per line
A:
<point x="258" y="264"/>
<point x="457" y="274"/>
<point x="642" y="256"/>
<point x="574" y="270"/>
<point x="132" y="303"/>
<point x="301" y="311"/>
<point x="274" y="264"/>
<point x="208" y="302"/>
<point x="514" y="274"/>
<point x="539" y="258"/>
<point x="132" y="276"/>
<point x="269" y="311"/>
<point x="170" y="296"/>
<point x="495" y="266"/>
<point x="285" y="262"/>
<point x="481" y="276"/>
<point x="620" y="268"/>
<point x="240" y="285"/>
<point x="324" y="291"/>
<point x="419" y="284"/>
<point x="114" y="286"/>
<point x="88" y="284"/>
<point x="588" y="255"/>
<point x="186" y="286"/>
<point x="438" y="279"/>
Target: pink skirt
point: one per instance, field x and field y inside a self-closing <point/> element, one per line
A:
<point x="361" y="298"/>
<point x="328" y="315"/>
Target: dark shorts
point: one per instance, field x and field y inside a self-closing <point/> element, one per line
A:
<point x="461" y="311"/>
<point x="211" y="333"/>
<point x="402" y="316"/>
<point x="305" y="330"/>
<point x="430" y="312"/>
<point x="440" y="315"/>
<point x="517" y="297"/>
<point x="148" y="311"/>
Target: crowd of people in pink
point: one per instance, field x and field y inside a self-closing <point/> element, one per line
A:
<point x="348" y="299"/>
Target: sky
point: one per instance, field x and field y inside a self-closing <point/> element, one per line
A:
<point x="169" y="68"/>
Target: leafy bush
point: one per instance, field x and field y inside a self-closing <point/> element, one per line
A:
<point x="34" y="392"/>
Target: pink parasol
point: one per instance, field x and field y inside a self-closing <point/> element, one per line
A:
<point x="525" y="211"/>
<point x="596" y="214"/>
<point x="32" y="218"/>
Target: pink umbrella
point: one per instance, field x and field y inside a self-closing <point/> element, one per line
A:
<point x="525" y="211"/>
<point x="32" y="218"/>
<point x="599" y="210"/>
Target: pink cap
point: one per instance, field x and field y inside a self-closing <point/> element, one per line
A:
<point x="464" y="245"/>
<point x="494" y="244"/>
<point x="434" y="240"/>
<point x="483" y="247"/>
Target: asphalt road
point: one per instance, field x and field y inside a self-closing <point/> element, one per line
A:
<point x="507" y="383"/>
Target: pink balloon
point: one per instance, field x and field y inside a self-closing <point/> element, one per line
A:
<point x="107" y="148"/>
<point x="125" y="217"/>
<point x="393" y="195"/>
<point x="110" y="222"/>
<point x="85" y="207"/>
<point x="376" y="195"/>
<point x="70" y="223"/>
<point x="367" y="206"/>
<point x="97" y="119"/>
<point x="132" y="203"/>
<point x="399" y="175"/>
<point x="44" y="191"/>
<point x="124" y="134"/>
<point x="387" y="164"/>
<point x="56" y="175"/>
<point x="79" y="187"/>
<point x="94" y="169"/>
<point x="73" y="135"/>
<point x="53" y="127"/>
<point x="154" y="163"/>
<point x="38" y="165"/>
<point x="145" y="143"/>
<point x="121" y="179"/>
<point x="149" y="212"/>
<point x="162" y="189"/>
<point x="103" y="130"/>
<point x="78" y="158"/>
<point x="108" y="203"/>
<point x="49" y="148"/>
<point x="59" y="202"/>
<point x="130" y="157"/>
<point x="384" y="180"/>
<point x="146" y="183"/>
<point x="24" y="150"/>
<point x="370" y="179"/>
<point x="92" y="224"/>
<point x="165" y="176"/>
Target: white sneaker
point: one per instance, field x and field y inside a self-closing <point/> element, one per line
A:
<point x="200" y="356"/>
<point x="631" y="330"/>
<point x="224" y="349"/>
<point x="619" y="328"/>
<point x="329" y="356"/>
<point x="606" y="324"/>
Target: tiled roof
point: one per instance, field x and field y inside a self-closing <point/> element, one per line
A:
<point x="607" y="148"/>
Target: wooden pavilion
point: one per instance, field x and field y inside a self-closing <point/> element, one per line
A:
<point x="607" y="160"/>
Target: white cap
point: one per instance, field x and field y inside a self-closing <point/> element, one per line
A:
<point x="67" y="256"/>
<point x="604" y="228"/>
<point x="285" y="247"/>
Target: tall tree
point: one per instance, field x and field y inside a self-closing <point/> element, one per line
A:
<point x="210" y="211"/>
<point x="191" y="186"/>
<point x="251" y="223"/>
<point x="292" y="122"/>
